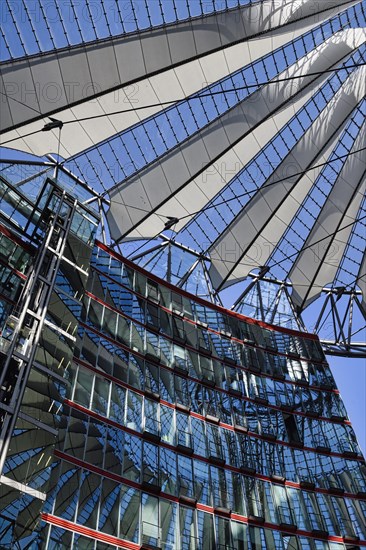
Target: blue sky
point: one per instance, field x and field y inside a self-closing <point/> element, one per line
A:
<point x="350" y="376"/>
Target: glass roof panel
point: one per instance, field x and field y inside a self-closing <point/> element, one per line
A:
<point x="308" y="212"/>
<point x="213" y="220"/>
<point x="128" y="152"/>
<point x="39" y="26"/>
<point x="116" y="162"/>
<point x="349" y="266"/>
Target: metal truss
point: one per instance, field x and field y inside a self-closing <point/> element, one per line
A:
<point x="339" y="317"/>
<point x="340" y="322"/>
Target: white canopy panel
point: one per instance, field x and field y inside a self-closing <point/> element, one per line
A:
<point x="316" y="266"/>
<point x="243" y="234"/>
<point x="138" y="197"/>
<point x="239" y="137"/>
<point x="228" y="123"/>
<point x="98" y="78"/>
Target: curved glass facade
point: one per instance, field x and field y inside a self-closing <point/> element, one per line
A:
<point x="189" y="426"/>
<point x="154" y="419"/>
<point x="213" y="144"/>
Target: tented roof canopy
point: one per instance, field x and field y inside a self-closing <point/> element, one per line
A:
<point x="240" y="120"/>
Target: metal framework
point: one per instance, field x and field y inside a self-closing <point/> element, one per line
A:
<point x="199" y="198"/>
<point x="175" y="159"/>
<point x="24" y="327"/>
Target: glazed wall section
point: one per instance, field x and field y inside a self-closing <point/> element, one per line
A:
<point x="189" y="427"/>
<point x="14" y="260"/>
<point x="45" y="256"/>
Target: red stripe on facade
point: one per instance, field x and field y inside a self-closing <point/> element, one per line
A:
<point x="191" y="322"/>
<point x="96" y="469"/>
<point x="92" y="533"/>
<point x="165" y="445"/>
<point x="200" y="300"/>
<point x="17" y="240"/>
<point x="202" y="382"/>
<point x="15" y="271"/>
<point x="6" y="299"/>
<point x="229" y="426"/>
<point x="203" y="507"/>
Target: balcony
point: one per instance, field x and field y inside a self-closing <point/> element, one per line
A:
<point x="180" y="365"/>
<point x="277" y="372"/>
<point x="204" y="347"/>
<point x="221" y="497"/>
<point x="347" y="530"/>
<point x="153" y="356"/>
<point x="306" y="478"/>
<point x="215" y="452"/>
<point x="152" y="428"/>
<point x="270" y="344"/>
<point x="258" y="393"/>
<point x="151" y="536"/>
<point x="189" y="542"/>
<point x="234" y="388"/>
<point x="151" y="481"/>
<point x="240" y="423"/>
<point x="186" y="491"/>
<point x="247" y="469"/>
<point x="151" y="393"/>
<point x="285" y="518"/>
<point x="346" y="448"/>
<point x="319" y="528"/>
<point x="184" y="442"/>
<point x="208" y="377"/>
<point x="321" y="444"/>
